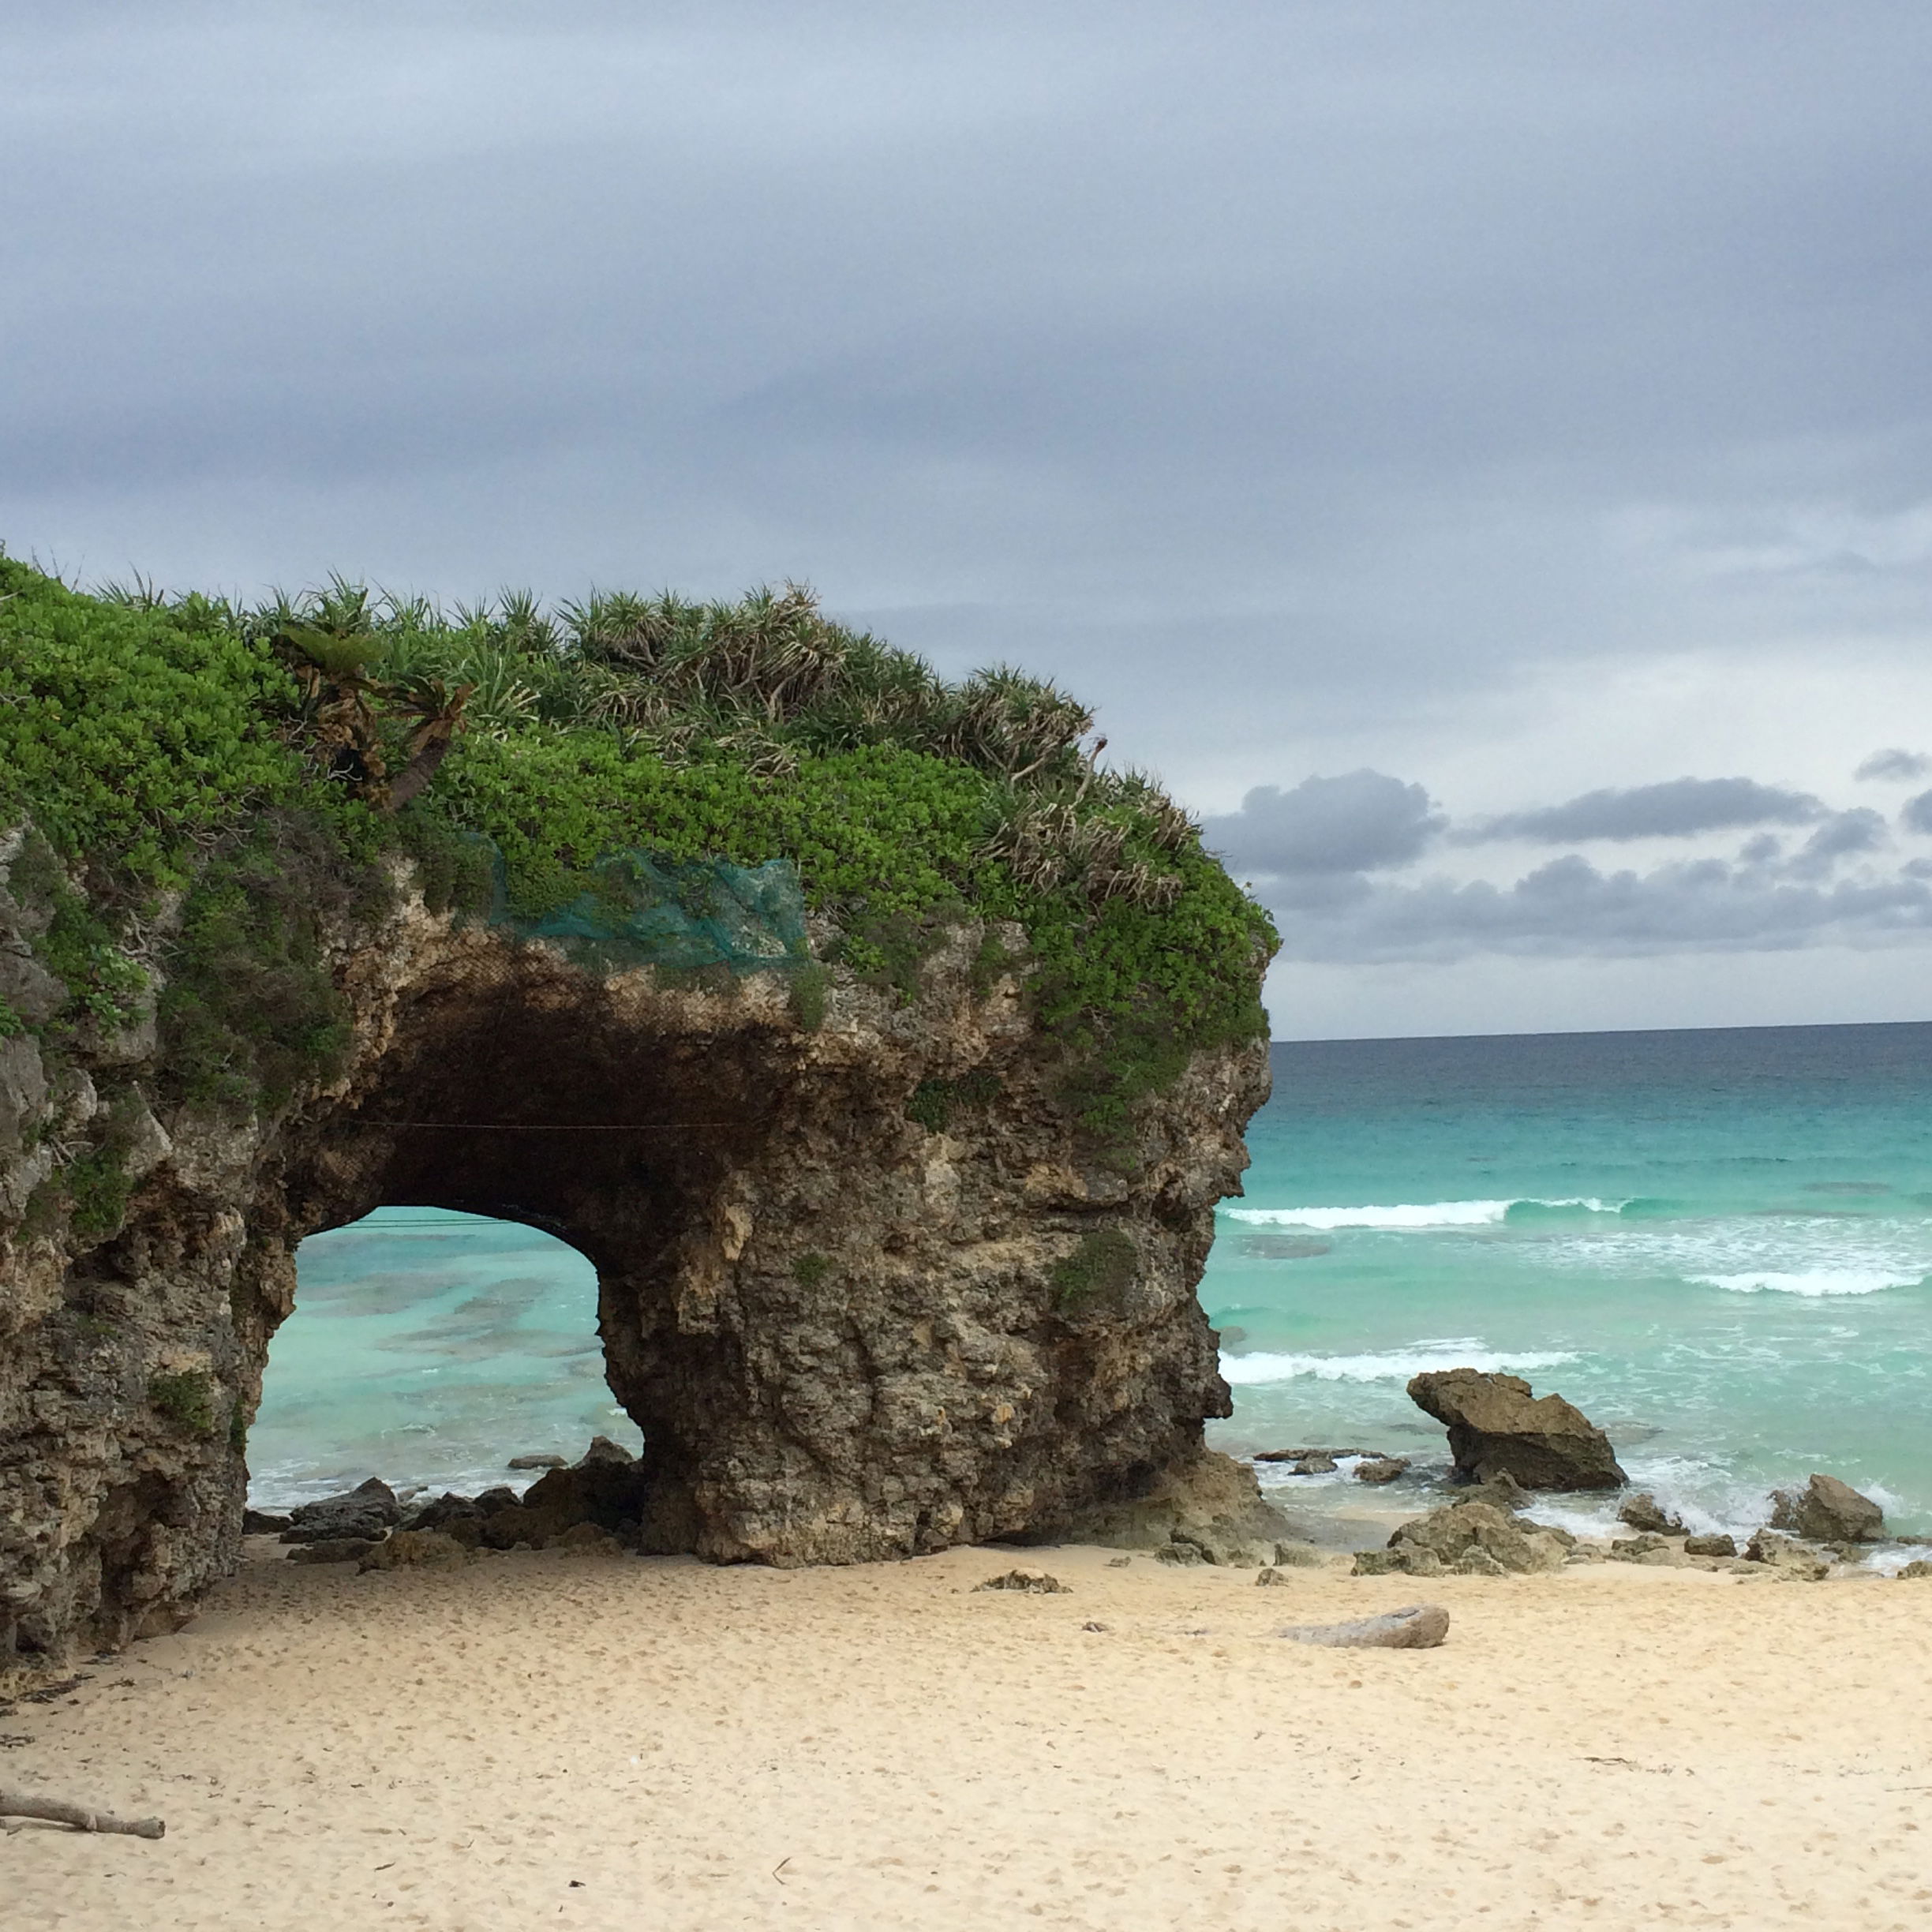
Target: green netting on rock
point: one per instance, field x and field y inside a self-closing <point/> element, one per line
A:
<point x="685" y="916"/>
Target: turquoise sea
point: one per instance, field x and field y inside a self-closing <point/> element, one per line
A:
<point x="1718" y="1244"/>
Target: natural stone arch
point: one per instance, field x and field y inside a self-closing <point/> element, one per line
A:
<point x="913" y="1259"/>
<point x="847" y="1332"/>
<point x="839" y="1329"/>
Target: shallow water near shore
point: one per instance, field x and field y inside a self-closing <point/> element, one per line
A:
<point x="1717" y="1243"/>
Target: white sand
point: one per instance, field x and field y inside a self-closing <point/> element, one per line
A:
<point x="882" y="1747"/>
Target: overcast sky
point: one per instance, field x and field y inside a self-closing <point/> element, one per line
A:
<point x="1480" y="455"/>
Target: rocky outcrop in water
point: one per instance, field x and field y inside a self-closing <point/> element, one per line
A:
<point x="865" y="1282"/>
<point x="1498" y="1427"/>
<point x="1827" y="1511"/>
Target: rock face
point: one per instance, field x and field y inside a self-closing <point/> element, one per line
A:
<point x="848" y="1331"/>
<point x="1827" y="1511"/>
<point x="1498" y="1427"/>
<point x="1468" y="1539"/>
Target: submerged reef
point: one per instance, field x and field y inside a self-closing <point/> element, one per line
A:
<point x="885" y="1053"/>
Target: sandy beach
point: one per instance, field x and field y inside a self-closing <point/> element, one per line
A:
<point x="580" y="1741"/>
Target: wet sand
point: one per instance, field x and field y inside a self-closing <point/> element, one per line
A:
<point x="547" y="1740"/>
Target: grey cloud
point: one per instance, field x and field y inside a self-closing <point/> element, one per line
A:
<point x="1844" y="835"/>
<point x="1569" y="909"/>
<point x="1895" y="763"/>
<point x="1361" y="821"/>
<point x="1916" y="815"/>
<point x="1679" y="808"/>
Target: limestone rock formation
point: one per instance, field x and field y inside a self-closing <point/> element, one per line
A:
<point x="1468" y="1539"/>
<point x="846" y="1333"/>
<point x="1827" y="1511"/>
<point x="1497" y="1426"/>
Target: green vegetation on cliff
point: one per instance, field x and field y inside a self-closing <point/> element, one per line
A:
<point x="250" y="768"/>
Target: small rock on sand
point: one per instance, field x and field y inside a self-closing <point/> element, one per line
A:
<point x="410" y="1549"/>
<point x="332" y="1549"/>
<point x="1035" y="1582"/>
<point x="1717" y="1544"/>
<point x="1917" y="1567"/>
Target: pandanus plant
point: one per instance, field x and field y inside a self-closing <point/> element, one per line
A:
<point x="343" y="707"/>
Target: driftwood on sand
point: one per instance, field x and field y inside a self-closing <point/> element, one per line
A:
<point x="56" y="1812"/>
<point x="1420" y="1626"/>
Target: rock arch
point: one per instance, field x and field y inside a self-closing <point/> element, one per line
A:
<point x="863" y="1283"/>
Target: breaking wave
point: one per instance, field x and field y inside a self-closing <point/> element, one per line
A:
<point x="1432" y="1215"/>
<point x="1396" y="1366"/>
<point x="1813" y="1283"/>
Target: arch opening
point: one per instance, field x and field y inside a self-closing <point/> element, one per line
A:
<point x="429" y="1346"/>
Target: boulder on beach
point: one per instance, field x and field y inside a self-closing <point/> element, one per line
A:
<point x="1497" y="1426"/>
<point x="1659" y="1551"/>
<point x="263" y="1522"/>
<point x="366" y="1512"/>
<point x="1642" y="1511"/>
<point x="1918" y="1567"/>
<point x="1827" y="1511"/>
<point x="1468" y="1539"/>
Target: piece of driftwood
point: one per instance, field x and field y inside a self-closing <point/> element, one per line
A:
<point x="1420" y="1626"/>
<point x="56" y="1812"/>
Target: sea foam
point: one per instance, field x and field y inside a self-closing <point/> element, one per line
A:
<point x="1811" y="1283"/>
<point x="1396" y="1366"/>
<point x="1406" y="1215"/>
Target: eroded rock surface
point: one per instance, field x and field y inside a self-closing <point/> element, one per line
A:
<point x="1498" y="1427"/>
<point x="846" y="1333"/>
